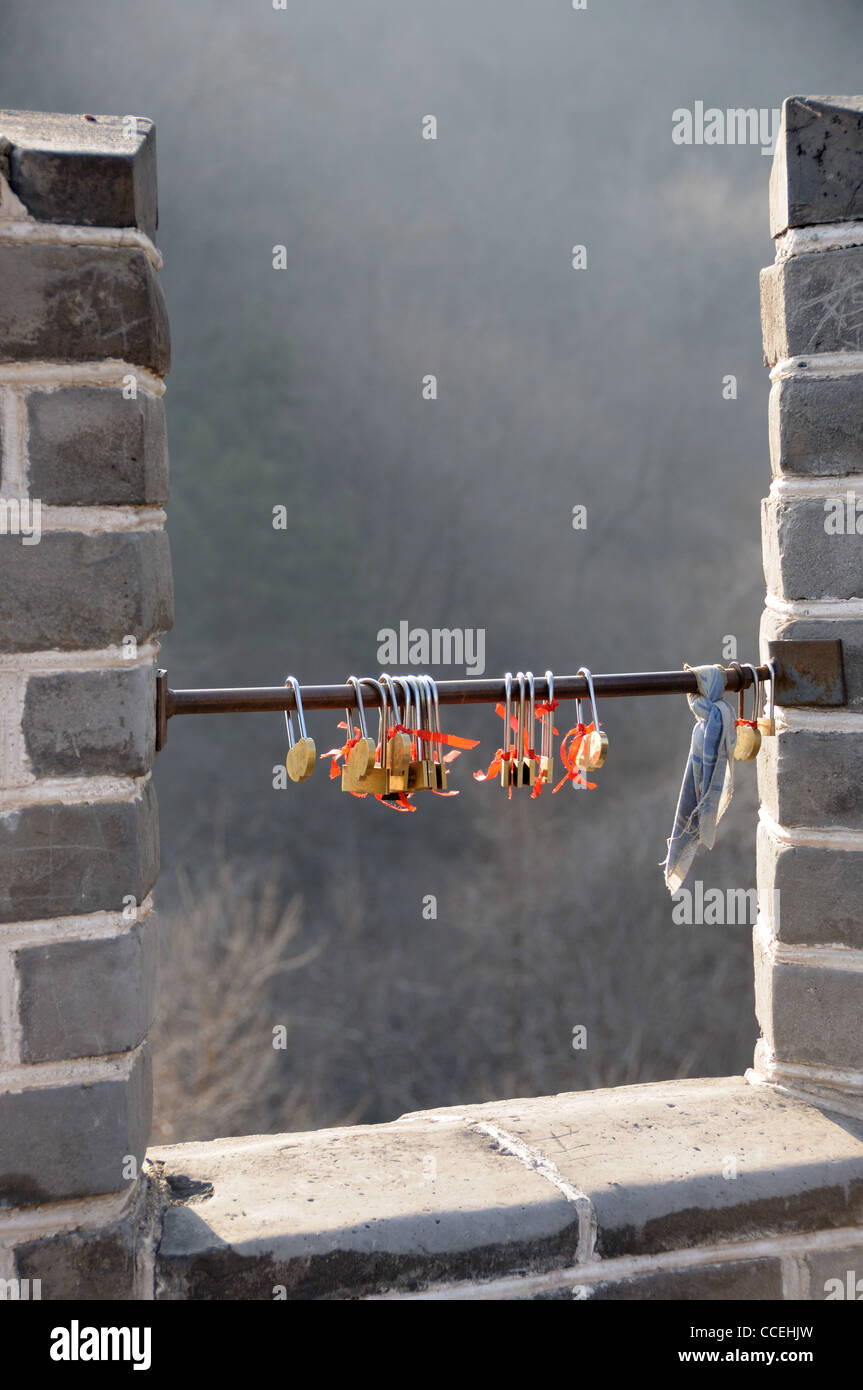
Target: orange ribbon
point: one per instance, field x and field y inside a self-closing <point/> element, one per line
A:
<point x="569" y="750"/>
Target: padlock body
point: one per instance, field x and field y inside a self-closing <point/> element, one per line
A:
<point x="300" y="760"/>
<point x="361" y="758"/>
<point x="421" y="776"/>
<point x="518" y="772"/>
<point x="593" y="750"/>
<point x="374" y="782"/>
<point x="767" y="727"/>
<point x="546" y="770"/>
<point x="748" y="743"/>
<point x="399" y="756"/>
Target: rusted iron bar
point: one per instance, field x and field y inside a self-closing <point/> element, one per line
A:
<point x="807" y="673"/>
<point x="272" y="698"/>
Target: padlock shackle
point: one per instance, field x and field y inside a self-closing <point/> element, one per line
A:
<point x="757" y="692"/>
<point x="289" y="719"/>
<point x="583" y="671"/>
<point x="548" y="722"/>
<point x="354" y="683"/>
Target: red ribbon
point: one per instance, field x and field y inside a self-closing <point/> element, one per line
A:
<point x="569" y="750"/>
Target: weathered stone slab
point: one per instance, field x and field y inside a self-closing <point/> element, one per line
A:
<point x="82" y="304"/>
<point x="83" y="1266"/>
<point x="809" y="1015"/>
<point x="91" y="446"/>
<point x="73" y="1140"/>
<point x="653" y="1160"/>
<point x="96" y="171"/>
<point x="340" y="1213"/>
<point x="97" y="723"/>
<point x="816" y="425"/>
<point x="67" y="860"/>
<point x="813" y="303"/>
<point x="812" y="779"/>
<point x="835" y="1275"/>
<point x="352" y="1212"/>
<point x="75" y="592"/>
<point x="87" y="998"/>
<point x="805" y="560"/>
<point x="818" y="893"/>
<point x="816" y="166"/>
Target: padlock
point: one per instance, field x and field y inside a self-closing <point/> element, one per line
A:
<point x="593" y="748"/>
<point x="748" y="739"/>
<point x="396" y="749"/>
<point x="361" y="756"/>
<point x="300" y="761"/>
<point x="546" y="752"/>
<point x="421" y="775"/>
<point x="374" y="780"/>
<point x="519" y="767"/>
<point x="526" y="765"/>
<point x="767" y="723"/>
<point x="431" y="723"/>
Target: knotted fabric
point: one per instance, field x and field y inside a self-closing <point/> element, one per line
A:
<point x="708" y="780"/>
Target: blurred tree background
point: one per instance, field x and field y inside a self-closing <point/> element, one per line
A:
<point x="302" y="908"/>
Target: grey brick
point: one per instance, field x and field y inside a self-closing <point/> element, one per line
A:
<point x="90" y="446"/>
<point x="824" y="1265"/>
<point x="774" y="627"/>
<point x="803" y="561"/>
<point x="91" y="723"/>
<point x="737" y="1281"/>
<point x="812" y="779"/>
<point x="813" y="303"/>
<point x="81" y="303"/>
<point x="809" y="1014"/>
<point x="88" y="998"/>
<point x="816" y="425"/>
<point x="653" y="1160"/>
<point x="820" y="893"/>
<point x="338" y="1213"/>
<point x="816" y="168"/>
<point x="66" y="168"/>
<point x="73" y="592"/>
<point x="58" y="1142"/>
<point x="82" y="1265"/>
<point x="59" y="861"/>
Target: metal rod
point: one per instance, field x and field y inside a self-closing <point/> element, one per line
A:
<point x="266" y="699"/>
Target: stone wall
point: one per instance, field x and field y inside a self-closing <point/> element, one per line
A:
<point x="736" y="1188"/>
<point x="86" y="589"/>
<point x="809" y="946"/>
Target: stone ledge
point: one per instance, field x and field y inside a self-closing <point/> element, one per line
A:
<point x="440" y="1196"/>
<point x="90" y="170"/>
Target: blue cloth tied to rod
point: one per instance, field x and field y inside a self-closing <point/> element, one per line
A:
<point x="708" y="780"/>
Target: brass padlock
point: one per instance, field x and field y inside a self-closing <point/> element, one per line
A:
<point x="374" y="779"/>
<point x="593" y="748"/>
<point x="397" y="744"/>
<point x="431" y="722"/>
<point x="767" y="723"/>
<point x="300" y="760"/>
<point x="361" y="756"/>
<point x="517" y="768"/>
<point x="421" y="775"/>
<point x="748" y="739"/>
<point x="546" y="751"/>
